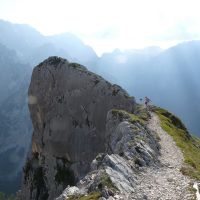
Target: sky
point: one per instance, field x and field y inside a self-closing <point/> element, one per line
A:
<point x="109" y="24"/>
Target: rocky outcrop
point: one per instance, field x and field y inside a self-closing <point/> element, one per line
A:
<point x="114" y="175"/>
<point x="92" y="141"/>
<point x="68" y="107"/>
<point x="141" y="162"/>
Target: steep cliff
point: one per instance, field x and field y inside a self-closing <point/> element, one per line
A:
<point x="68" y="107"/>
<point x="91" y="141"/>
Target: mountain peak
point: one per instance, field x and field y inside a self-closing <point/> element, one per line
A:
<point x="91" y="139"/>
<point x="68" y="107"/>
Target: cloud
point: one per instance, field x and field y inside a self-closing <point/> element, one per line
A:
<point x="110" y="24"/>
<point x="107" y="34"/>
<point x="182" y="30"/>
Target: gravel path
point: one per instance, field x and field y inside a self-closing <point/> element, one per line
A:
<point x="167" y="182"/>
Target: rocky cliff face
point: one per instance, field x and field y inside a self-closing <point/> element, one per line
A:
<point x="68" y="107"/>
<point x="92" y="141"/>
<point x="130" y="147"/>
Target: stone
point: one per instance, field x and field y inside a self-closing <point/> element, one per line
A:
<point x="68" y="107"/>
<point x="111" y="198"/>
<point x="69" y="191"/>
<point x="114" y="173"/>
<point x="88" y="140"/>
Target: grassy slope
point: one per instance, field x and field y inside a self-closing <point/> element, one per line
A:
<point x="140" y="115"/>
<point x="90" y="196"/>
<point x="189" y="145"/>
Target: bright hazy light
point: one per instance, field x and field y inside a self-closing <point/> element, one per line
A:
<point x="109" y="24"/>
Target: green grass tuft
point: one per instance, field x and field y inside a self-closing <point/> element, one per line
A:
<point x="142" y="112"/>
<point x="90" y="196"/>
<point x="106" y="181"/>
<point x="77" y="66"/>
<point x="123" y="115"/>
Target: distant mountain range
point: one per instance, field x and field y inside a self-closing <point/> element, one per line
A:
<point x="33" y="47"/>
<point x="168" y="77"/>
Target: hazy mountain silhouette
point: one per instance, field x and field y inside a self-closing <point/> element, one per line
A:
<point x="15" y="126"/>
<point x="169" y="78"/>
<point x="12" y="72"/>
<point x="32" y="47"/>
<point x="15" y="138"/>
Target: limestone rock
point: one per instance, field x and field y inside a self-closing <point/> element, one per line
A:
<point x="69" y="191"/>
<point x="130" y="140"/>
<point x="68" y="107"/>
<point x="130" y="148"/>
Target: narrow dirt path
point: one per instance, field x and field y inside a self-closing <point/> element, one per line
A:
<point x="166" y="182"/>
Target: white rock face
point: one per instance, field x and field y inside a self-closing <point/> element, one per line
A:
<point x="68" y="192"/>
<point x="68" y="106"/>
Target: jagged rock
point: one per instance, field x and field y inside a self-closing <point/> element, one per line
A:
<point x="68" y="107"/>
<point x="130" y="140"/>
<point x="115" y="173"/>
<point x="120" y="172"/>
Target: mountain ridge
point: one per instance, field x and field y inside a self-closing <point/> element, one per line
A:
<point x="169" y="83"/>
<point x="93" y="136"/>
<point x="25" y="40"/>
